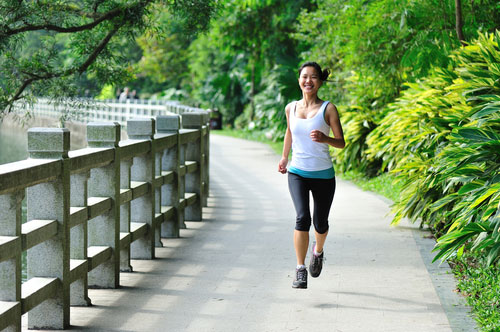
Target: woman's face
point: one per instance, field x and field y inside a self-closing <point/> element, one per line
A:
<point x="309" y="81"/>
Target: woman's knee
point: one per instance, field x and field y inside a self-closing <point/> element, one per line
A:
<point x="303" y="224"/>
<point x="321" y="228"/>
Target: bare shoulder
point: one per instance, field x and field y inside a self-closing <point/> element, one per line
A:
<point x="289" y="107"/>
<point x="331" y="109"/>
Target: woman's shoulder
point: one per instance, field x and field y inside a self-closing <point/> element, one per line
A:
<point x="330" y="106"/>
<point x="289" y="106"/>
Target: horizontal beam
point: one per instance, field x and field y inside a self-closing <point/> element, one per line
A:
<point x="139" y="188"/>
<point x="37" y="231"/>
<point x="97" y="255"/>
<point x="138" y="230"/>
<point x="36" y="290"/>
<point x="158" y="218"/>
<point x="182" y="170"/>
<point x="190" y="198"/>
<point x="25" y="173"/>
<point x="125" y="196"/>
<point x="88" y="158"/>
<point x="10" y="246"/>
<point x="78" y="268"/>
<point x="191" y="166"/>
<point x="125" y="239"/>
<point x="165" y="141"/>
<point x="98" y="205"/>
<point x="10" y="314"/>
<point x="167" y="211"/>
<point x="168" y="176"/>
<point x="133" y="148"/>
<point x="77" y="215"/>
<point x="189" y="135"/>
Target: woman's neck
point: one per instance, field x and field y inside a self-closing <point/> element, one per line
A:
<point x="309" y="99"/>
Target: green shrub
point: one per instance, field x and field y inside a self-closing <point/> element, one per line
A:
<point x="442" y="140"/>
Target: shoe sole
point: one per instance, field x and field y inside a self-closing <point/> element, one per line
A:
<point x="299" y="287"/>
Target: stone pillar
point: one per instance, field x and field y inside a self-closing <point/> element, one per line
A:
<point x="50" y="201"/>
<point x="125" y="166"/>
<point x="78" y="235"/>
<point x="143" y="169"/>
<point x="104" y="230"/>
<point x="170" y="124"/>
<point x="206" y="157"/>
<point x="158" y="167"/>
<point x="194" y="120"/>
<point x="10" y="269"/>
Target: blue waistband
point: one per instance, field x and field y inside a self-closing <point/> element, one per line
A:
<point x="328" y="173"/>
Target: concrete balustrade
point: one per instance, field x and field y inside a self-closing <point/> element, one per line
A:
<point x="90" y="211"/>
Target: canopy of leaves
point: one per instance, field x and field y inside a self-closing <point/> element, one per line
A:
<point x="46" y="46"/>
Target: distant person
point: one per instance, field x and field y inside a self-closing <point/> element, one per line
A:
<point x="309" y="121"/>
<point x="118" y="94"/>
<point x="124" y="95"/>
<point x="133" y="95"/>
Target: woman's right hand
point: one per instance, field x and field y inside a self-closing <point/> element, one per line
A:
<point x="282" y="165"/>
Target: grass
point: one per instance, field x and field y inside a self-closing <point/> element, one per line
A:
<point x="382" y="184"/>
<point x="480" y="285"/>
<point x="258" y="136"/>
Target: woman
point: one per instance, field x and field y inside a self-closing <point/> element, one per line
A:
<point x="309" y="121"/>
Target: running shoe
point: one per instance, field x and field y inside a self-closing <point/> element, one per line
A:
<point x="300" y="280"/>
<point x="316" y="264"/>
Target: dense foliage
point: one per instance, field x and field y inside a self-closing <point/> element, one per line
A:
<point x="52" y="48"/>
<point x="413" y="99"/>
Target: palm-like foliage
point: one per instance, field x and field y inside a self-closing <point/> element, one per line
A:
<point x="442" y="139"/>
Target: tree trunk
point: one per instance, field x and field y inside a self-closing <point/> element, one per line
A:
<point x="459" y="21"/>
<point x="252" y="93"/>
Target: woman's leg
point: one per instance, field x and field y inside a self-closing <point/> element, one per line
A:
<point x="323" y="192"/>
<point x="320" y="240"/>
<point x="300" y="197"/>
<point x="301" y="243"/>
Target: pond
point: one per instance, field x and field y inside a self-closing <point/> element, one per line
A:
<point x="13" y="144"/>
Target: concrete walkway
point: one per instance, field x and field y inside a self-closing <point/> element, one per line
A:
<point x="234" y="270"/>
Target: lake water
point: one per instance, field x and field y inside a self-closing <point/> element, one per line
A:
<point x="13" y="144"/>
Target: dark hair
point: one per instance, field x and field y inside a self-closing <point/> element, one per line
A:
<point x="323" y="74"/>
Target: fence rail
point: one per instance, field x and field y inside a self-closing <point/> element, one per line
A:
<point x="89" y="110"/>
<point x="90" y="211"/>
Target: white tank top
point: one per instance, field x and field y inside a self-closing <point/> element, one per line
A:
<point x="308" y="155"/>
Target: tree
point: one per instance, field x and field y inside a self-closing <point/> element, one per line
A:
<point x="77" y="38"/>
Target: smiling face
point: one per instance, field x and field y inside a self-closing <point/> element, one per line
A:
<point x="309" y="80"/>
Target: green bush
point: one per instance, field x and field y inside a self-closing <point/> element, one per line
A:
<point x="442" y="140"/>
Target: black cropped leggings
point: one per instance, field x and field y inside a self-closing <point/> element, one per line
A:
<point x="322" y="192"/>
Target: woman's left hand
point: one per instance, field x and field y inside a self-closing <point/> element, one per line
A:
<point x="318" y="136"/>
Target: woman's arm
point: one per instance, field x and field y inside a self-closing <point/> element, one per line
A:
<point x="333" y="120"/>
<point x="287" y="144"/>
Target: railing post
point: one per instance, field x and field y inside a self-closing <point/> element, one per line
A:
<point x="170" y="162"/>
<point x="206" y="157"/>
<point x="125" y="166"/>
<point x="143" y="169"/>
<point x="78" y="236"/>
<point x="50" y="201"/>
<point x="10" y="269"/>
<point x="104" y="230"/>
<point x="194" y="120"/>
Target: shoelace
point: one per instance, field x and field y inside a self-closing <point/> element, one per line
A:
<point x="318" y="259"/>
<point x="301" y="274"/>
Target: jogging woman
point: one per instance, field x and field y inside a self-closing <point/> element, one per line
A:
<point x="309" y="121"/>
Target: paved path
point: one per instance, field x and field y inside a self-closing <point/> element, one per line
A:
<point x="233" y="272"/>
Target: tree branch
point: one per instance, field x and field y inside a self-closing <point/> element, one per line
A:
<point x="108" y="16"/>
<point x="98" y="49"/>
<point x="80" y="69"/>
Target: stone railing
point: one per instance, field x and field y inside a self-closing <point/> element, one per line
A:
<point x="90" y="211"/>
<point x="89" y="110"/>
